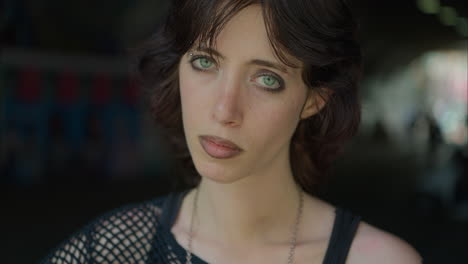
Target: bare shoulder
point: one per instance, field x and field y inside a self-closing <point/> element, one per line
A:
<point x="373" y="245"/>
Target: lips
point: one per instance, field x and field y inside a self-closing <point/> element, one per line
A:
<point x="218" y="147"/>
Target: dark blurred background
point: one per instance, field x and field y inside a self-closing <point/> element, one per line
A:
<point x="76" y="139"/>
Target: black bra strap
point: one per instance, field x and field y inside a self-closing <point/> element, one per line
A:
<point x="344" y="229"/>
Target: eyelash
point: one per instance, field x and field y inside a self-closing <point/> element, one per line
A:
<point x="273" y="90"/>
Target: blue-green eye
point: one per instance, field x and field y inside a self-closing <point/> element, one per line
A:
<point x="201" y="63"/>
<point x="270" y="81"/>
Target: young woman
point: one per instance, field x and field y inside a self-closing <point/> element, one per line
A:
<point x="259" y="97"/>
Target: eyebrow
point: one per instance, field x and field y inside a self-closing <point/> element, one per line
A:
<point x="254" y="61"/>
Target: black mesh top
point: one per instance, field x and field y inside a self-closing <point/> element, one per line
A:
<point x="140" y="233"/>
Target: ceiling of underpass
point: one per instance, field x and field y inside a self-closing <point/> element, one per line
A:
<point x="392" y="32"/>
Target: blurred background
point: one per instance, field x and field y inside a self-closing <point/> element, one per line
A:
<point x="76" y="139"/>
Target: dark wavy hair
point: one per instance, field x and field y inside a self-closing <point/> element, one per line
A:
<point x="319" y="33"/>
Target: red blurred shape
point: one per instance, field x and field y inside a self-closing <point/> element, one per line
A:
<point x="131" y="92"/>
<point x="29" y="89"/>
<point x="101" y="89"/>
<point x="68" y="88"/>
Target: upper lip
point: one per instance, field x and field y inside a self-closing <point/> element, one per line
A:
<point x="221" y="141"/>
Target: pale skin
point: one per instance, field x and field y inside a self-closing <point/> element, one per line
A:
<point x="247" y="204"/>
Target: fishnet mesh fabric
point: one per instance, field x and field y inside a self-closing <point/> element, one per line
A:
<point x="130" y="234"/>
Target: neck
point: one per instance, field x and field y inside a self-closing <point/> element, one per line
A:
<point x="257" y="209"/>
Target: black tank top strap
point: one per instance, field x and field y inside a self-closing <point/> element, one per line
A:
<point x="344" y="229"/>
<point x="170" y="207"/>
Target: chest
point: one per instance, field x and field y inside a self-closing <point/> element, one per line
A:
<point x="305" y="253"/>
<point x="309" y="253"/>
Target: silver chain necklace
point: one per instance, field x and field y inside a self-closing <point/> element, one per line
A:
<point x="293" y="239"/>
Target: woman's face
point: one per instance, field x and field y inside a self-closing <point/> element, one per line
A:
<point x="242" y="99"/>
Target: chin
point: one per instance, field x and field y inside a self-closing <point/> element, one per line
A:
<point x="216" y="171"/>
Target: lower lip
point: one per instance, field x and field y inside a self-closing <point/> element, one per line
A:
<point x="218" y="151"/>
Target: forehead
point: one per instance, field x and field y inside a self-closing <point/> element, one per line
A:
<point x="244" y="36"/>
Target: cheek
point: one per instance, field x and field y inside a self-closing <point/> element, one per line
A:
<point x="185" y="86"/>
<point x="284" y="113"/>
<point x="277" y="124"/>
<point x="189" y="101"/>
<point x="191" y="96"/>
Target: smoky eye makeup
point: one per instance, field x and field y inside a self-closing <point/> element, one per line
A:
<point x="272" y="82"/>
<point x="268" y="78"/>
<point x="204" y="61"/>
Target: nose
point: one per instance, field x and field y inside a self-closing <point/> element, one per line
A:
<point x="228" y="105"/>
